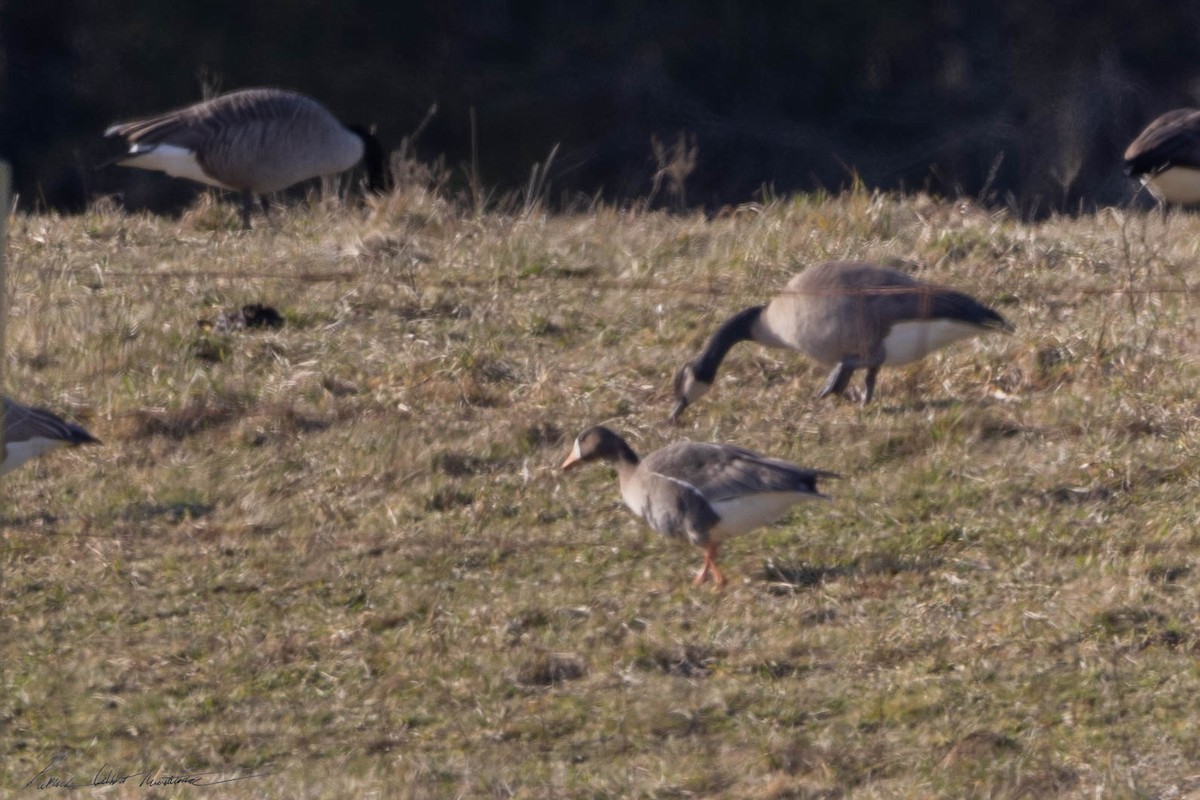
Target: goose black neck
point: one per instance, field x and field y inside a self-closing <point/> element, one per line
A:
<point x="378" y="179"/>
<point x="738" y="328"/>
<point x="621" y="454"/>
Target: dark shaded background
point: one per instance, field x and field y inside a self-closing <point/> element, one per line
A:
<point x="1020" y="102"/>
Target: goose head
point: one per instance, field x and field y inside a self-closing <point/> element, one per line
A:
<point x="688" y="389"/>
<point x="598" y="442"/>
<point x="379" y="178"/>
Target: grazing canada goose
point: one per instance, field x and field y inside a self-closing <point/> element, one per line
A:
<point x="253" y="141"/>
<point x="846" y="315"/>
<point x="29" y="432"/>
<point x="1166" y="157"/>
<point x="700" y="492"/>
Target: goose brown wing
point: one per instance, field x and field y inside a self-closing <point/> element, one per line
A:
<point x="22" y="423"/>
<point x="878" y="297"/>
<point x="722" y="472"/>
<point x="193" y="126"/>
<point x="930" y="302"/>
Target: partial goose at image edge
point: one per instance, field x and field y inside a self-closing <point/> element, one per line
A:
<point x="1165" y="157"/>
<point x="30" y="432"/>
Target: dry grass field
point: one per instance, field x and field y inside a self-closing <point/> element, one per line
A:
<point x="339" y="556"/>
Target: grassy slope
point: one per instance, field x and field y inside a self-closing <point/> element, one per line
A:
<point x="342" y="551"/>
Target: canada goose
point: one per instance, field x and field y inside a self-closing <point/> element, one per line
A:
<point x="1166" y="157"/>
<point x="29" y="432"/>
<point x="701" y="492"/>
<point x="252" y="141"/>
<point x="846" y="315"/>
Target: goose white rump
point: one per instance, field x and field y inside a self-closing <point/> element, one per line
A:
<point x="178" y="162"/>
<point x="1175" y="185"/>
<point x="741" y="514"/>
<point x="29" y="432"/>
<point x="912" y="341"/>
<point x="17" y="453"/>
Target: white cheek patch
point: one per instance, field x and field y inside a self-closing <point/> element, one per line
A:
<point x="575" y="454"/>
<point x="1175" y="185"/>
<point x="693" y="389"/>
<point x="913" y="340"/>
<point x="17" y="453"/>
<point x="177" y="162"/>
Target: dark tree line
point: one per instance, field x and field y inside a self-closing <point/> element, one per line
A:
<point x="1016" y="101"/>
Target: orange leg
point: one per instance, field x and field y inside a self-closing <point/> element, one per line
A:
<point x="710" y="567"/>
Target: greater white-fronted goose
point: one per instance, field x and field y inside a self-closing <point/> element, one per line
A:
<point x="30" y="432"/>
<point x="700" y="492"/>
<point x="846" y="315"/>
<point x="1166" y="157"/>
<point x="252" y="141"/>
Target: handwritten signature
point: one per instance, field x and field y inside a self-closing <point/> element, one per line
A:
<point x="52" y="777"/>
